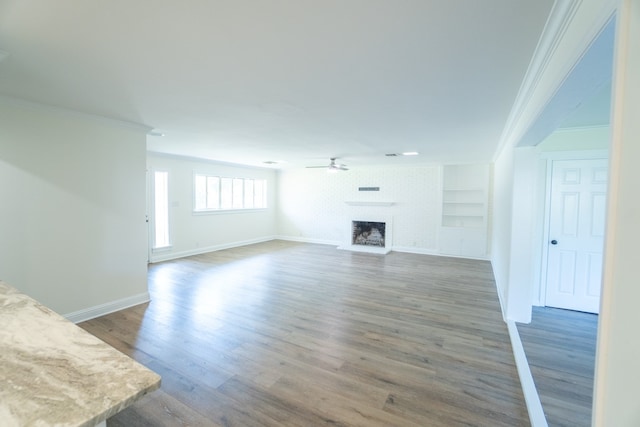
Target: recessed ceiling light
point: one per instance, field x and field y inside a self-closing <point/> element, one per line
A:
<point x="406" y="153"/>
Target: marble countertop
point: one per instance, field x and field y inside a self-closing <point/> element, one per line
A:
<point x="53" y="373"/>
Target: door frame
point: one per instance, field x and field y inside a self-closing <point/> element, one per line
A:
<point x="548" y="157"/>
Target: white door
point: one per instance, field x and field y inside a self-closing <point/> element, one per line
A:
<point x="576" y="234"/>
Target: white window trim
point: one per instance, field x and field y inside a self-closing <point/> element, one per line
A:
<point x="227" y="211"/>
<point x="222" y="211"/>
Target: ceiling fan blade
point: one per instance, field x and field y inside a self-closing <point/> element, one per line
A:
<point x="340" y="166"/>
<point x="332" y="166"/>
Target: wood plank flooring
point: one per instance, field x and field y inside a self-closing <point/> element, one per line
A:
<point x="293" y="334"/>
<point x="560" y="346"/>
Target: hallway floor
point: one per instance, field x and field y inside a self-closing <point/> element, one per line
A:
<point x="560" y="346"/>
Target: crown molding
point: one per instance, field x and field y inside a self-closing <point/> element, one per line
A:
<point x="570" y="31"/>
<point x="560" y="17"/>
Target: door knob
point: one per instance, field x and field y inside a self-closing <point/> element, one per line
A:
<point x="554" y="242"/>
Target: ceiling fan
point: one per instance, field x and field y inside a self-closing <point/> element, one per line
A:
<point x="333" y="166"/>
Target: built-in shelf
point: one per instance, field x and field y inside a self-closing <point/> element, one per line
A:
<point x="361" y="203"/>
<point x="462" y="221"/>
<point x="464" y="210"/>
<point x="463" y="196"/>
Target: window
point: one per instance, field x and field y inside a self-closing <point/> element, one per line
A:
<point x="161" y="209"/>
<point x="221" y="193"/>
<point x="225" y="193"/>
<point x="238" y="193"/>
<point x="207" y="192"/>
<point x="248" y="194"/>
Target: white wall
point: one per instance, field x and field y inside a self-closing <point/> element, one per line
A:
<point x="312" y="204"/>
<point x="502" y="219"/>
<point x="525" y="241"/>
<point x="72" y="215"/>
<point x="618" y="348"/>
<point x="193" y="233"/>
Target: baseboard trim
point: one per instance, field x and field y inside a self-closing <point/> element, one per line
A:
<point x="477" y="258"/>
<point x="499" y="288"/>
<point x="531" y="397"/>
<point x="412" y="250"/>
<point x="110" y="307"/>
<point x="167" y="256"/>
<point x="309" y="240"/>
<point x="405" y="249"/>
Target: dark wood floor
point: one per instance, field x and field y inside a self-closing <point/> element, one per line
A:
<point x="560" y="346"/>
<point x="284" y="333"/>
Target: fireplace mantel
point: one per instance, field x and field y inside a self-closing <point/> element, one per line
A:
<point x="364" y="203"/>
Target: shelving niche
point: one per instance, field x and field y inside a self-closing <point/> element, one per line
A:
<point x="464" y="210"/>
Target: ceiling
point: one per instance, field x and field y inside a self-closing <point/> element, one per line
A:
<point x="282" y="80"/>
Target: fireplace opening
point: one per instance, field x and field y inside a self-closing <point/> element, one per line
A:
<point x="367" y="233"/>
